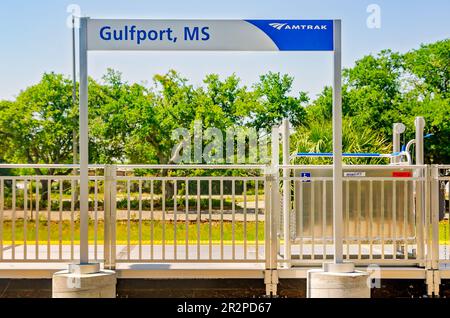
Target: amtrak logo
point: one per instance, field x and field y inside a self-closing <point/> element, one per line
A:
<point x="286" y="26"/>
<point x="277" y="26"/>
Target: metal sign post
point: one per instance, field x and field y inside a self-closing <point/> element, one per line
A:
<point x="337" y="145"/>
<point x="209" y="35"/>
<point x="84" y="144"/>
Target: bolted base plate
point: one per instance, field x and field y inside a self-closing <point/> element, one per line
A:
<point x="87" y="268"/>
<point x="338" y="268"/>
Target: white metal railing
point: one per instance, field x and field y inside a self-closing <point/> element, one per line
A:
<point x="188" y="218"/>
<point x="39" y="216"/>
<point x="132" y="218"/>
<point x="36" y="222"/>
<point x="150" y="213"/>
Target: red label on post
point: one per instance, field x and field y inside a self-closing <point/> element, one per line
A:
<point x="402" y="174"/>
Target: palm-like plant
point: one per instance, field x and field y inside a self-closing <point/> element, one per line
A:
<point x="317" y="137"/>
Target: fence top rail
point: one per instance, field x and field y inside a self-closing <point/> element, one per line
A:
<point x="209" y="167"/>
<point x="192" y="166"/>
<point x="136" y="166"/>
<point x="443" y="166"/>
<point x="353" y="167"/>
<point x="31" y="178"/>
<point x="38" y="166"/>
<point x="312" y="179"/>
<point x="189" y="178"/>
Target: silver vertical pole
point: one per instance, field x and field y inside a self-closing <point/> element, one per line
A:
<point x="74" y="90"/>
<point x="395" y="142"/>
<point x="74" y="102"/>
<point x="107" y="217"/>
<point x="397" y="130"/>
<point x="420" y="124"/>
<point x="420" y="193"/>
<point x="286" y="193"/>
<point x="337" y="145"/>
<point x="110" y="216"/>
<point x="275" y="148"/>
<point x="434" y="205"/>
<point x="275" y="204"/>
<point x="84" y="151"/>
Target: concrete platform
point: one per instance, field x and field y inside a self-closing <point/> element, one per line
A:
<point x="195" y="271"/>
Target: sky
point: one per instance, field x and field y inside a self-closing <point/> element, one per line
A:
<point x="35" y="39"/>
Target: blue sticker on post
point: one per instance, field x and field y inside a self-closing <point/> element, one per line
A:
<point x="305" y="175"/>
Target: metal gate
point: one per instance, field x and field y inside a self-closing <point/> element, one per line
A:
<point x="383" y="219"/>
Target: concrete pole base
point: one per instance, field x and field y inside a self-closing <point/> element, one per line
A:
<point x="323" y="283"/>
<point x="84" y="281"/>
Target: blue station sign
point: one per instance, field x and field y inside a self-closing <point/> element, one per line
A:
<point x="210" y="35"/>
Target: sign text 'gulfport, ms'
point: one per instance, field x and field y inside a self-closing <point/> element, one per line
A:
<point x="210" y="35"/>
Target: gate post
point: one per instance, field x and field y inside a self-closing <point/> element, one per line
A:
<point x="420" y="213"/>
<point x="110" y="216"/>
<point x="272" y="215"/>
<point x="433" y="278"/>
<point x="286" y="195"/>
<point x="420" y="190"/>
<point x="272" y="207"/>
<point x="435" y="216"/>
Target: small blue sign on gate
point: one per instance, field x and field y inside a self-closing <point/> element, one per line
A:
<point x="305" y="175"/>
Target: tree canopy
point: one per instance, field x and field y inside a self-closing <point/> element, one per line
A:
<point x="132" y="123"/>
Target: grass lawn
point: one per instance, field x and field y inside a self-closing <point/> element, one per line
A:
<point x="444" y="232"/>
<point x="161" y="231"/>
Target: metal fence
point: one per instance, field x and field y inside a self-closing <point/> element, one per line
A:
<point x="393" y="215"/>
<point x="383" y="220"/>
<point x="187" y="218"/>
<point x="39" y="214"/>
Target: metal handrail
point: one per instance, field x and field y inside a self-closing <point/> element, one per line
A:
<point x="352" y="167"/>
<point x="209" y="166"/>
<point x="135" y="166"/>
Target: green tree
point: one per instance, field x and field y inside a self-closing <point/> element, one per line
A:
<point x="427" y="74"/>
<point x="133" y="123"/>
<point x="275" y="102"/>
<point x="430" y="65"/>
<point x="390" y="87"/>
<point x="37" y="127"/>
<point x="114" y="109"/>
